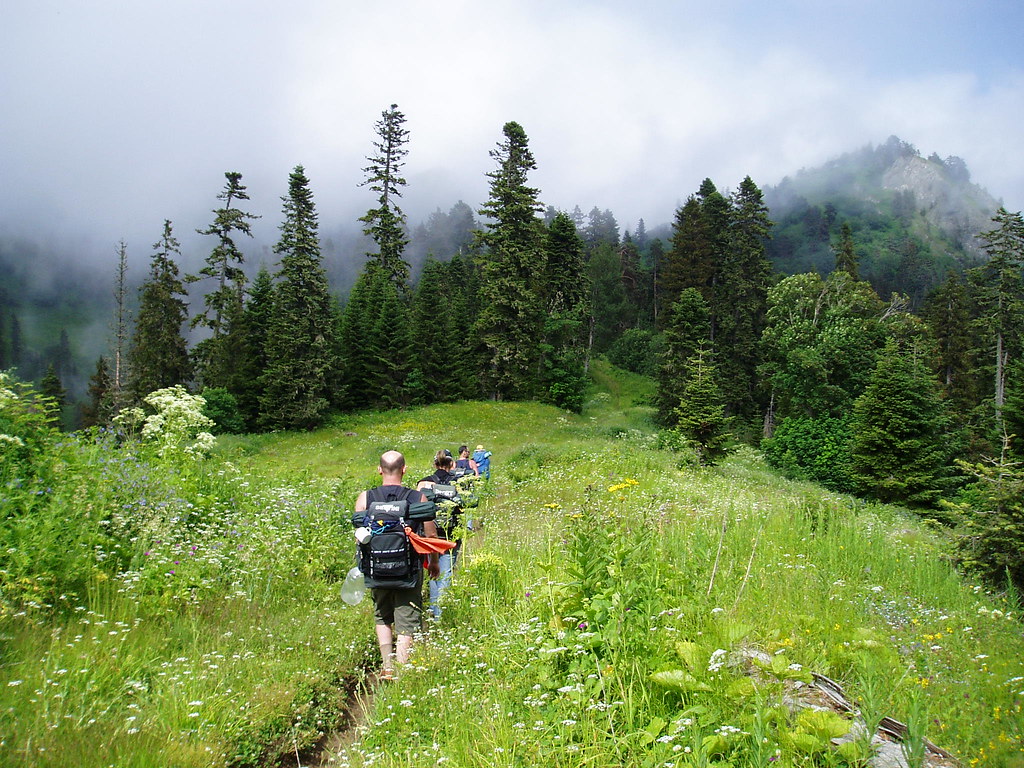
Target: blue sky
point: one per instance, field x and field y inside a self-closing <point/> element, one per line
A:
<point x="117" y="115"/>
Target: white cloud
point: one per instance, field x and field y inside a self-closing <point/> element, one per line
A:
<point x="119" y="116"/>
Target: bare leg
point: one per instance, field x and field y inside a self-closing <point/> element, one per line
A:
<point x="384" y="639"/>
<point x="404" y="649"/>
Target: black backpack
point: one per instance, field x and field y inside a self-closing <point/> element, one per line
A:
<point x="388" y="559"/>
<point x="458" y="473"/>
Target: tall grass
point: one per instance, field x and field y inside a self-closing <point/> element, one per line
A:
<point x="603" y="615"/>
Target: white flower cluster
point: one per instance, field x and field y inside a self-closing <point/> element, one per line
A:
<point x="178" y="425"/>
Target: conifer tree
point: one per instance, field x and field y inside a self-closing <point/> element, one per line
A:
<point x="433" y="318"/>
<point x="462" y="307"/>
<point x="846" y="253"/>
<point x="122" y="320"/>
<point x="946" y="311"/>
<point x="509" y="324"/>
<point x="683" y="265"/>
<point x="215" y="356"/>
<point x="158" y="355"/>
<point x="741" y="292"/>
<point x="686" y="333"/>
<point x="17" y="348"/>
<point x="609" y="305"/>
<point x="357" y="342"/>
<point x="98" y="410"/>
<point x="699" y="247"/>
<point x="3" y="344"/>
<point x="700" y="415"/>
<point x="247" y="382"/>
<point x="1013" y="408"/>
<point x="300" y="337"/>
<point x="51" y="387"/>
<point x="900" y="451"/>
<point x="386" y="223"/>
<point x="63" y="359"/>
<point x="394" y="355"/>
<point x="999" y="296"/>
<point x="566" y="318"/>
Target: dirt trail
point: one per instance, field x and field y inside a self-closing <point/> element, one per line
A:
<point x="362" y="694"/>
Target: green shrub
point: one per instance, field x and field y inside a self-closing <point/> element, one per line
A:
<point x="637" y="350"/>
<point x="990" y="538"/>
<point x="815" y="449"/>
<point x="222" y="408"/>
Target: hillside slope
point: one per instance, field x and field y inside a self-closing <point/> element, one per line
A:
<point x="913" y="218"/>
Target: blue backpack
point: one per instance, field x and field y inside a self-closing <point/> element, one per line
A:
<point x="483" y="462"/>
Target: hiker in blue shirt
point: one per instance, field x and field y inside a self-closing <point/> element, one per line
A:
<point x="483" y="461"/>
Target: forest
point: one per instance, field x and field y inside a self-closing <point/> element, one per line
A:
<point x="727" y="467"/>
<point x="854" y="345"/>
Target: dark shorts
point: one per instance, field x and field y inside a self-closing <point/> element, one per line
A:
<point x="401" y="607"/>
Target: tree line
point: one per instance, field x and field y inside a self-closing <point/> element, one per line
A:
<point x="837" y="383"/>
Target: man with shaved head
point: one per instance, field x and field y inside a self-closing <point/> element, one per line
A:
<point x="398" y="610"/>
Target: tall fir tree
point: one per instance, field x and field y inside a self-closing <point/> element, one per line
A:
<point x="247" y="383"/>
<point x="52" y="387"/>
<point x="698" y="251"/>
<point x="357" y="342"/>
<point x="946" y="311"/>
<point x="682" y="267"/>
<point x="609" y="305"/>
<point x="741" y="294"/>
<point x="300" y="345"/>
<point x="846" y="252"/>
<point x="462" y="305"/>
<point x="98" y="409"/>
<point x="998" y="290"/>
<point x="1013" y="408"/>
<point x="158" y="355"/>
<point x="386" y="223"/>
<point x="901" y="448"/>
<point x="700" y="416"/>
<point x="120" y="328"/>
<point x="687" y="331"/>
<point x="509" y="324"/>
<point x="216" y="355"/>
<point x="63" y="359"/>
<point x="433" y="316"/>
<point x="390" y="381"/>
<point x="566" y="317"/>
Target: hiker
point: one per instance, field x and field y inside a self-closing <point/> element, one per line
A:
<point x="447" y="523"/>
<point x="396" y="609"/>
<point x="465" y="461"/>
<point x="483" y="462"/>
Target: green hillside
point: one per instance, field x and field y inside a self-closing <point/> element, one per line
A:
<point x="913" y="218"/>
<point x="614" y="609"/>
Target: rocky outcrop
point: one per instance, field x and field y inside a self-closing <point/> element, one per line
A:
<point x="951" y="204"/>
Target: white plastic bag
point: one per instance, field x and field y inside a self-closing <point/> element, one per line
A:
<point x="354" y="588"/>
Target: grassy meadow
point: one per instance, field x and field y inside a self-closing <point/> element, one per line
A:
<point x="606" y="613"/>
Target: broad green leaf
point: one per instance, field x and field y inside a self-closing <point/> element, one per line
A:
<point x="679" y="680"/>
<point x="823" y="724"/>
<point x="690" y="653"/>
<point x="741" y="688"/>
